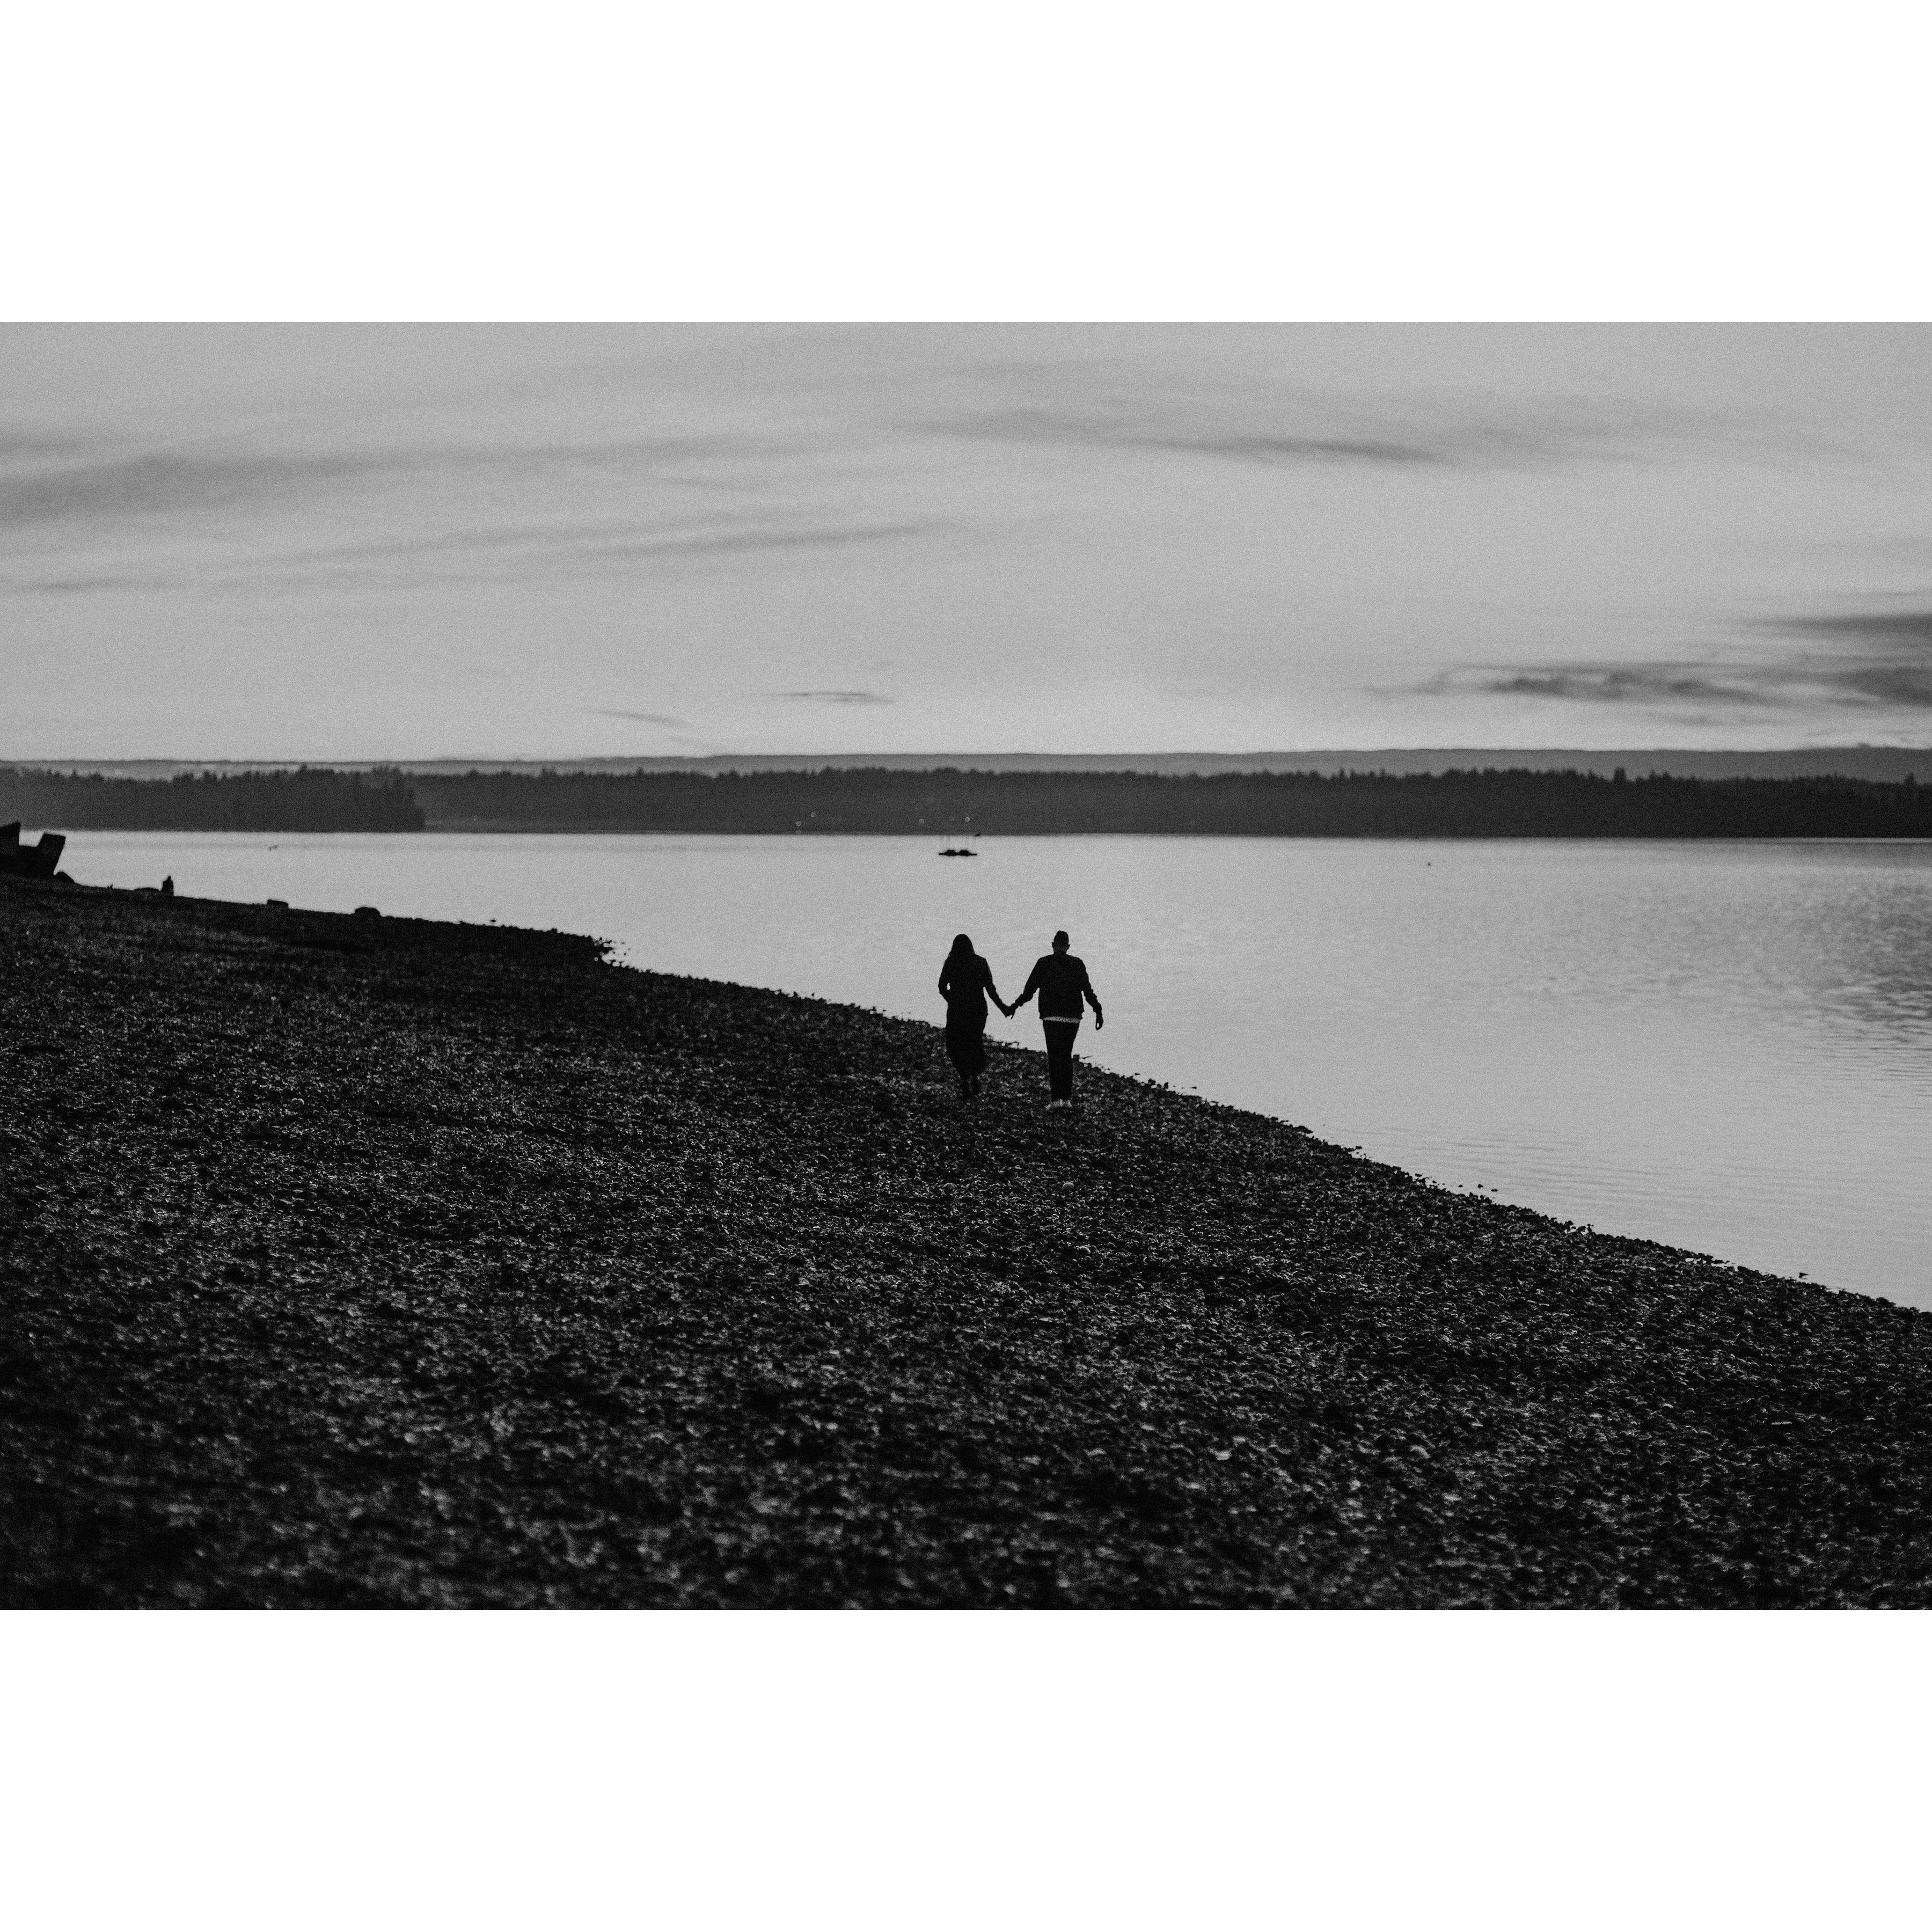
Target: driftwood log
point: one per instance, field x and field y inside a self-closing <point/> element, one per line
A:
<point x="29" y="861"/>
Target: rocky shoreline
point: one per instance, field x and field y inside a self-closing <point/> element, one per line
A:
<point x="371" y="1262"/>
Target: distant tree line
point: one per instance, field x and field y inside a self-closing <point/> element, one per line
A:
<point x="1367" y="805"/>
<point x="955" y="805"/>
<point x="308" y="800"/>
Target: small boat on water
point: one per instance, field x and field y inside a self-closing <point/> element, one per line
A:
<point x="29" y="861"/>
<point x="958" y="852"/>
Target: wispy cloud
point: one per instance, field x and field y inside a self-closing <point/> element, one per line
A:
<point x="1879" y="660"/>
<point x="830" y="537"/>
<point x="84" y="481"/>
<point x="80" y="486"/>
<point x="640" y="717"/>
<point x="1144" y="429"/>
<point x="1276" y="423"/>
<point x="77" y="587"/>
<point x="458" y="537"/>
<point x="834" y="697"/>
<point x="1906" y="629"/>
<point x="1884" y="657"/>
<point x="604" y="543"/>
<point x="1615" y="684"/>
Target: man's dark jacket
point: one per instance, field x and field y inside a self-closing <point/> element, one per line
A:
<point x="1060" y="979"/>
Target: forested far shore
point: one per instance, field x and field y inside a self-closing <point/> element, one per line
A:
<point x="309" y="799"/>
<point x="1486" y="804"/>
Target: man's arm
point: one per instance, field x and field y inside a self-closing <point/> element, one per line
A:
<point x="1032" y="987"/>
<point x="1092" y="997"/>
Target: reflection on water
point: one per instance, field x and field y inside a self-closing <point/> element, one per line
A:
<point x="1726" y="1047"/>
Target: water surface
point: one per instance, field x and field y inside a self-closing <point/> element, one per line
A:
<point x="1726" y="1047"/>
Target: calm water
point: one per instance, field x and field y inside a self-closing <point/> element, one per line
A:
<point x="1725" y="1047"/>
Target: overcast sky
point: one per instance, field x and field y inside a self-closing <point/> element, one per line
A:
<point x="392" y="541"/>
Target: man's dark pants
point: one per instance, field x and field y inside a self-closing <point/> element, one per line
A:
<point x="1059" y="1056"/>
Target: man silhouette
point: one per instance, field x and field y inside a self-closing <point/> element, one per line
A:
<point x="1061" y="981"/>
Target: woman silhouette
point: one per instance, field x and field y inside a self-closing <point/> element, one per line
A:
<point x="965" y="980"/>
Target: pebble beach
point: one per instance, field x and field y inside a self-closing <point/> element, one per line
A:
<point x="365" y="1261"/>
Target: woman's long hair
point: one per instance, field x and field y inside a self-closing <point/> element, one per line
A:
<point x="962" y="946"/>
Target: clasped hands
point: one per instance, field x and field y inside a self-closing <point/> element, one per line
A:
<point x="1099" y="1018"/>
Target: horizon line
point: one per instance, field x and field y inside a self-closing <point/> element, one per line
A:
<point x="375" y="760"/>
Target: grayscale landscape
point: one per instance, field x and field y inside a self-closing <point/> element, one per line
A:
<point x="482" y="1125"/>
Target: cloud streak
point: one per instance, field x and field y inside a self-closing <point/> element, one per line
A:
<point x="1147" y="432"/>
<point x="1627" y="684"/>
<point x="83" y="482"/>
<point x="1884" y="657"/>
<point x="1277" y="424"/>
<point x="563" y="547"/>
<point x="97" y="489"/>
<point x="1905" y="629"/>
<point x="833" y="697"/>
<point x="609" y="541"/>
<point x="1881" y="661"/>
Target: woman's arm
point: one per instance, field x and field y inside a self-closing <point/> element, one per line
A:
<point x="992" y="991"/>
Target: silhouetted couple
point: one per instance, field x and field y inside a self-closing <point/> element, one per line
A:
<point x="1060" y="979"/>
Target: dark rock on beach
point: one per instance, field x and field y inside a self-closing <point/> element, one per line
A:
<point x="368" y="1261"/>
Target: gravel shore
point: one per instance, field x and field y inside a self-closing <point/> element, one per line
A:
<point x="371" y="1262"/>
